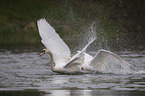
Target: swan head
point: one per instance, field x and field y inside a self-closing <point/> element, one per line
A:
<point x="44" y="51"/>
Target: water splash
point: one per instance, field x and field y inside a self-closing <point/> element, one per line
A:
<point x="88" y="34"/>
<point x="92" y="32"/>
<point x="96" y="31"/>
<point x="115" y="65"/>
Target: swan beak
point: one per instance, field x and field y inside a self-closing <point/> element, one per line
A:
<point x="42" y="52"/>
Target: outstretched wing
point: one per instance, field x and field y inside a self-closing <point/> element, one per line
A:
<point x="107" y="62"/>
<point x="79" y="58"/>
<point x="53" y="42"/>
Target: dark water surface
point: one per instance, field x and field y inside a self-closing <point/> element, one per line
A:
<point x="24" y="73"/>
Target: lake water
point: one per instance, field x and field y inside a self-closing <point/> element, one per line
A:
<point x="24" y="73"/>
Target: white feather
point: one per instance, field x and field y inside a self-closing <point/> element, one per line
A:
<point x="107" y="62"/>
<point x="53" y="42"/>
<point x="81" y="54"/>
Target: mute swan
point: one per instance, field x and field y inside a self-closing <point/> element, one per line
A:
<point x="62" y="62"/>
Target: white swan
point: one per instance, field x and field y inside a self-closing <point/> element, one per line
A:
<point x="62" y="62"/>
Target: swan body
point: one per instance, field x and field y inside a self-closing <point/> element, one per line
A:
<point x="62" y="62"/>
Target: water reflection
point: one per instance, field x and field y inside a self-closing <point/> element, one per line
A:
<point x="71" y="93"/>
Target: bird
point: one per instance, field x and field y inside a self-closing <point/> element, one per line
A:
<point x="62" y="62"/>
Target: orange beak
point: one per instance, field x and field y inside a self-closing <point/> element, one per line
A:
<point x="42" y="52"/>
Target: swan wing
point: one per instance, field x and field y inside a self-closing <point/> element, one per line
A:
<point x="79" y="58"/>
<point x="53" y="42"/>
<point x="107" y="62"/>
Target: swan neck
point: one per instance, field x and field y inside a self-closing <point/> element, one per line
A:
<point x="51" y="63"/>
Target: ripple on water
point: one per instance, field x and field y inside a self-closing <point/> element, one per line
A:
<point x="28" y="70"/>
